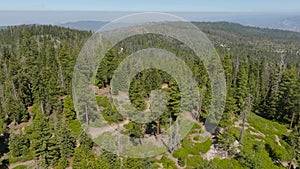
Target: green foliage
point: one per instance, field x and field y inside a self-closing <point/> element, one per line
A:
<point x="228" y="163"/>
<point x="26" y="157"/>
<point x="84" y="158"/>
<point x="69" y="109"/>
<point x="65" y="141"/>
<point x="225" y="140"/>
<point x="181" y="154"/>
<point x="37" y="64"/>
<point x="203" y="147"/>
<point x="109" y="113"/>
<point x="242" y="87"/>
<point x="194" y="161"/>
<point x="62" y="163"/>
<point x="2" y="126"/>
<point x="85" y="141"/>
<point x="289" y="94"/>
<point x="134" y="129"/>
<point x="45" y="148"/>
<point x="167" y="163"/>
<point x="20" y="167"/>
<point x="18" y="145"/>
<point x="136" y="163"/>
<point x="295" y="144"/>
<point x="75" y="127"/>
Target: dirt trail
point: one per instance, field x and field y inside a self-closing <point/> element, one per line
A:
<point x="175" y="160"/>
<point x="277" y="140"/>
<point x="101" y="92"/>
<point x="26" y="163"/>
<point x="97" y="131"/>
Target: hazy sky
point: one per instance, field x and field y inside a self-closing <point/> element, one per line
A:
<point x="156" y="5"/>
<point x="15" y="12"/>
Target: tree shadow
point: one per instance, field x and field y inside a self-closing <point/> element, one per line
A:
<point x="4" y="144"/>
<point x="4" y="164"/>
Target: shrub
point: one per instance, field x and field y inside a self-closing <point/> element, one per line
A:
<point x="20" y="167"/>
<point x="63" y="163"/>
<point x="167" y="163"/>
<point x="203" y="147"/>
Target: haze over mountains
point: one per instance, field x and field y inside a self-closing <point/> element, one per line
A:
<point x="289" y="22"/>
<point x="93" y="20"/>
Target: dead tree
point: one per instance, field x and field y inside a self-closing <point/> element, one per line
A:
<point x="247" y="108"/>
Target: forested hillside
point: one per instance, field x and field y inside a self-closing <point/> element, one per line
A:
<point x="39" y="126"/>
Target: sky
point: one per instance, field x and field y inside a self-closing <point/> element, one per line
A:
<point x="16" y="12"/>
<point x="153" y="5"/>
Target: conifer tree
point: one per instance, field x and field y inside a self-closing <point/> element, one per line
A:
<point x="18" y="145"/>
<point x="289" y="96"/>
<point x="45" y="148"/>
<point x="65" y="141"/>
<point x="241" y="89"/>
<point x="69" y="110"/>
<point x="295" y="144"/>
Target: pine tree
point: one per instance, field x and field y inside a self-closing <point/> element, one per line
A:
<point x="174" y="99"/>
<point x="62" y="163"/>
<point x="270" y="104"/>
<point x="289" y="96"/>
<point x="18" y="145"/>
<point x="295" y="145"/>
<point x="65" y="141"/>
<point x="241" y="89"/>
<point x="228" y="68"/>
<point x="69" y="110"/>
<point x="16" y="110"/>
<point x="137" y="95"/>
<point x="85" y="141"/>
<point x="65" y="68"/>
<point x="2" y="126"/>
<point x="45" y="148"/>
<point x="84" y="158"/>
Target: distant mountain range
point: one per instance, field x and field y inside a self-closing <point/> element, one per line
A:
<point x="93" y="20"/>
<point x="291" y="23"/>
<point x="84" y="25"/>
<point x="3" y="27"/>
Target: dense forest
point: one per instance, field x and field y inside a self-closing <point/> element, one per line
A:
<point x="260" y="128"/>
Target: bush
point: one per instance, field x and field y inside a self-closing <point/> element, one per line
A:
<point x="75" y="127"/>
<point x="196" y="138"/>
<point x="62" y="163"/>
<point x="181" y="154"/>
<point x="18" y="145"/>
<point x="277" y="152"/>
<point x="203" y="147"/>
<point x="189" y="146"/>
<point x="167" y="163"/>
<point x="103" y="101"/>
<point x="29" y="156"/>
<point x="20" y="167"/>
<point x="227" y="163"/>
<point x="194" y="161"/>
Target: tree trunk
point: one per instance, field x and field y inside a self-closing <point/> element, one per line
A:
<point x="42" y="108"/>
<point x="86" y="115"/>
<point x="62" y="81"/>
<point x="290" y="165"/>
<point x="297" y="119"/>
<point x="236" y="68"/>
<point x="293" y="116"/>
<point x="248" y="106"/>
<point x="243" y="127"/>
<point x="157" y="127"/>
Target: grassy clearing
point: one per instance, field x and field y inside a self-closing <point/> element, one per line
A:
<point x="259" y="145"/>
